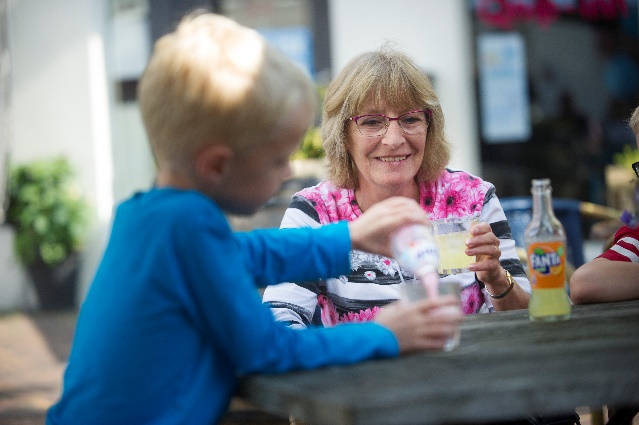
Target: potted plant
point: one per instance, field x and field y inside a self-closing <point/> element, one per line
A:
<point x="309" y="160"/>
<point x="49" y="218"/>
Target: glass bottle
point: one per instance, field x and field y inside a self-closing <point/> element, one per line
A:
<point x="415" y="250"/>
<point x="545" y="240"/>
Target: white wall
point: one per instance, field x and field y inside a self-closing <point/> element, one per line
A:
<point x="60" y="102"/>
<point x="51" y="44"/>
<point x="437" y="34"/>
<point x="14" y="290"/>
<point x="129" y="46"/>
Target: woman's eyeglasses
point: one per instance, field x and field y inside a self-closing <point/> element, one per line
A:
<point x="375" y="125"/>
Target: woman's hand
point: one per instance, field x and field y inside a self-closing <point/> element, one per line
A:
<point x="484" y="245"/>
<point x="422" y="325"/>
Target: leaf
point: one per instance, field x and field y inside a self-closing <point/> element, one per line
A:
<point x="627" y="157"/>
<point x="46" y="210"/>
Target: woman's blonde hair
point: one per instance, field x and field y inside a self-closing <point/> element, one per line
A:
<point x="215" y="81"/>
<point x="385" y="77"/>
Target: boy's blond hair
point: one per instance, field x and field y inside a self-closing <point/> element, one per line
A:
<point x="215" y="81"/>
<point x="634" y="121"/>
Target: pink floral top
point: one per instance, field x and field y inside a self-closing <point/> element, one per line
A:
<point x="454" y="194"/>
<point x="376" y="280"/>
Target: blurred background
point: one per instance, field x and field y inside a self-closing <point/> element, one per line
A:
<point x="529" y="88"/>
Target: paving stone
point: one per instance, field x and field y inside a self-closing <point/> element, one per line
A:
<point x="30" y="374"/>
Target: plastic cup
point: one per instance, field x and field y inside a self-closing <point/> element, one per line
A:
<point x="447" y="288"/>
<point x="451" y="235"/>
<point x="415" y="290"/>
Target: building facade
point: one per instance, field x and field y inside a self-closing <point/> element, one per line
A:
<point x="75" y="63"/>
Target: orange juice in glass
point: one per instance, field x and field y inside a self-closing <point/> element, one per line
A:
<point x="451" y="235"/>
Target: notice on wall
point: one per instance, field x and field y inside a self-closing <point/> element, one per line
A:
<point x="503" y="88"/>
<point x="295" y="42"/>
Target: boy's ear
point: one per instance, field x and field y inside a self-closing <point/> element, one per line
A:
<point x="213" y="162"/>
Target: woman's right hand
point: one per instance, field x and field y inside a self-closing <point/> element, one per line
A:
<point x="422" y="325"/>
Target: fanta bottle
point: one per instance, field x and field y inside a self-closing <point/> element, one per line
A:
<point x="545" y="240"/>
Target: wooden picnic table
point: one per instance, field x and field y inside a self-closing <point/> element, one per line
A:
<point x="506" y="367"/>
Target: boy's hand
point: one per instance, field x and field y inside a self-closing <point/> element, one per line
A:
<point x="422" y="325"/>
<point x="372" y="231"/>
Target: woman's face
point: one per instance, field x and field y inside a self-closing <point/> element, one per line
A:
<point x="390" y="161"/>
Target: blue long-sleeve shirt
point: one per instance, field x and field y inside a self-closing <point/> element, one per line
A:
<point x="173" y="315"/>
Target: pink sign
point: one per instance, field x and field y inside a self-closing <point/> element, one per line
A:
<point x="506" y="13"/>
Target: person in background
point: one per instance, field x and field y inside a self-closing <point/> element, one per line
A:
<point x="173" y="316"/>
<point x="383" y="134"/>
<point x="614" y="275"/>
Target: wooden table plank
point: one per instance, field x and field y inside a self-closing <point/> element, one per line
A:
<point x="506" y="366"/>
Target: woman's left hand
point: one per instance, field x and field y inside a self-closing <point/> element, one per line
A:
<point x="484" y="245"/>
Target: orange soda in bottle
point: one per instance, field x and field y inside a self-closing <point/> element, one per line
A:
<point x="545" y="240"/>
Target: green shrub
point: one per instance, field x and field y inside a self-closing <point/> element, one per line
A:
<point x="311" y="146"/>
<point x="46" y="210"/>
<point x="627" y="157"/>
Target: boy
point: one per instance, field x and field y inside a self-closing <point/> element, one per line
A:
<point x="614" y="275"/>
<point x="173" y="316"/>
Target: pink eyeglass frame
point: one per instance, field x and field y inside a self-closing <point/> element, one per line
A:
<point x="428" y="112"/>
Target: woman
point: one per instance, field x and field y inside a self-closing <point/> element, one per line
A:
<point x="383" y="133"/>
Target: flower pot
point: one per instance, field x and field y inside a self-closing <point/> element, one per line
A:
<point x="55" y="285"/>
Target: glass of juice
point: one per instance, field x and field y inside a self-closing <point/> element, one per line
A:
<point x="451" y="235"/>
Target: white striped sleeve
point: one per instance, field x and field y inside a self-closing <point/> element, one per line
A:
<point x="493" y="213"/>
<point x="291" y="302"/>
<point x="628" y="247"/>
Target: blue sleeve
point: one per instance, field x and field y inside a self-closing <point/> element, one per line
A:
<point x="296" y="254"/>
<point x="229" y="268"/>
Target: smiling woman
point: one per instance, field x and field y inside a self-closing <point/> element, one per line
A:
<point x="383" y="134"/>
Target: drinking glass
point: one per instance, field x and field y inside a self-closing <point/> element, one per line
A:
<point x="414" y="290"/>
<point x="451" y="235"/>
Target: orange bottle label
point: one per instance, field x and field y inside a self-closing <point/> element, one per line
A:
<point x="547" y="263"/>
